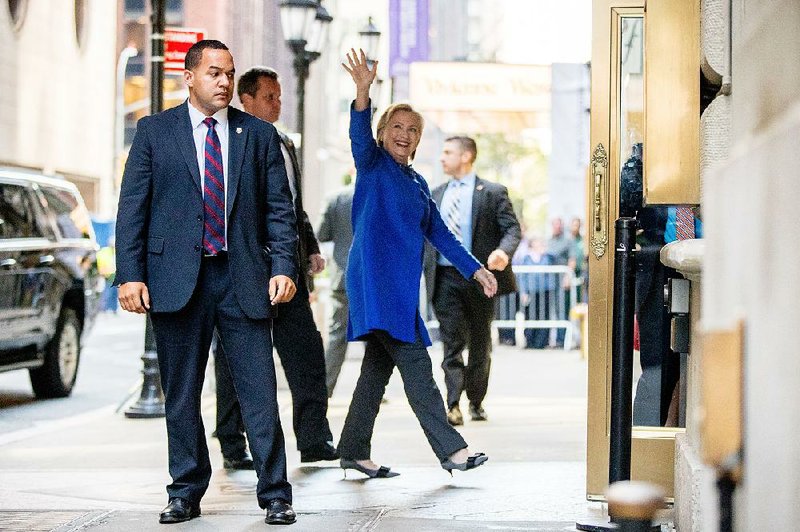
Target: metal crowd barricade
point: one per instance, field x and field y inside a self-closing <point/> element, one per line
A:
<point x="544" y="297"/>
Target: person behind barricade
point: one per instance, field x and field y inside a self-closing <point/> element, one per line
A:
<point x="537" y="292"/>
<point x="578" y="260"/>
<point x="560" y="247"/>
<point x="507" y="306"/>
<point x="393" y="215"/>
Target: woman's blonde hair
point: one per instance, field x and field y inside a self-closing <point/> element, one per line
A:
<point x="389" y="113"/>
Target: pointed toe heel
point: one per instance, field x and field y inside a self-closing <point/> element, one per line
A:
<point x="381" y="472"/>
<point x="476" y="460"/>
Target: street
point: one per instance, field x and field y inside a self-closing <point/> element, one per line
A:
<point x="78" y="463"/>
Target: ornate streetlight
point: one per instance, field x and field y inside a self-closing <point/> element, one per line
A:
<point x="370" y="38"/>
<point x="305" y="25"/>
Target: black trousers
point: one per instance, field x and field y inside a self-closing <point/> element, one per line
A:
<point x="660" y="366"/>
<point x="465" y="321"/>
<point x="299" y="346"/>
<point x="381" y="355"/>
<point x="183" y="339"/>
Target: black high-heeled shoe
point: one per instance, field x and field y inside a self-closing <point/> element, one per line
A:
<point x="381" y="472"/>
<point x="472" y="462"/>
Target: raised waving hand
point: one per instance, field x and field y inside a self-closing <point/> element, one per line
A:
<point x="362" y="76"/>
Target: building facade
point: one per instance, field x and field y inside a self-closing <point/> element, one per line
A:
<point x="57" y="97"/>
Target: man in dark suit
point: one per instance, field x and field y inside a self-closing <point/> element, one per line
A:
<point x="480" y="214"/>
<point x="337" y="227"/>
<point x="294" y="333"/>
<point x="206" y="239"/>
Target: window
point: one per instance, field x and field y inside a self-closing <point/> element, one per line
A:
<point x="17" y="217"/>
<point x="17" y="10"/>
<point x="71" y="217"/>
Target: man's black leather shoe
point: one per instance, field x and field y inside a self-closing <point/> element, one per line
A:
<point x="179" y="510"/>
<point x="242" y="462"/>
<point x="477" y="413"/>
<point x="324" y="451"/>
<point x="280" y="512"/>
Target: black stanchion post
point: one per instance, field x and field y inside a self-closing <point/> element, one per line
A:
<point x="632" y="506"/>
<point x="151" y="401"/>
<point x="619" y="463"/>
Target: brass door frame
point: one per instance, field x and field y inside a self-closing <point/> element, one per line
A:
<point x="652" y="447"/>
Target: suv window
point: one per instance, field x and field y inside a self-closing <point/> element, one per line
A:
<point x="17" y="218"/>
<point x="71" y="217"/>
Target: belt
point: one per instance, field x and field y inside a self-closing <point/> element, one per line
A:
<point x="221" y="254"/>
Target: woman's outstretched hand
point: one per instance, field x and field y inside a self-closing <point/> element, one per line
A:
<point x="487" y="281"/>
<point x="362" y="76"/>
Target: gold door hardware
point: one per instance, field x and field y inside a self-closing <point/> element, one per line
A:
<point x="599" y="167"/>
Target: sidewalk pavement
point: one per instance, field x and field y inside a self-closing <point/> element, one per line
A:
<point x="102" y="472"/>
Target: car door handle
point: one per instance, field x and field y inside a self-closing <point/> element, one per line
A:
<point x="46" y="259"/>
<point x="8" y="263"/>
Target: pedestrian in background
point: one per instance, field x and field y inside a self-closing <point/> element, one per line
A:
<point x="206" y="238"/>
<point x="337" y="227"/>
<point x="393" y="214"/>
<point x="537" y="291"/>
<point x="561" y="248"/>
<point x="480" y="215"/>
<point x="294" y="333"/>
<point x="578" y="260"/>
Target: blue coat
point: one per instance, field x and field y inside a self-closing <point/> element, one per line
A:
<point x="393" y="214"/>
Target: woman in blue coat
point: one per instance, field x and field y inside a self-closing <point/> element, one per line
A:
<point x="393" y="214"/>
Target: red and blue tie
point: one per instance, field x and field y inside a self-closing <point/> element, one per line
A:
<point x="213" y="192"/>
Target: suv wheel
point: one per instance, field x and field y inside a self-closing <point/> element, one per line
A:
<point x="57" y="376"/>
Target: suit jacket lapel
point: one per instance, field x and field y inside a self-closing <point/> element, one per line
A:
<point x="185" y="139"/>
<point x="478" y="198"/>
<point x="237" y="141"/>
<point x="298" y="185"/>
<point x="438" y="194"/>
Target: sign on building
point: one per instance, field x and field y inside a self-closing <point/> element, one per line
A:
<point x="177" y="42"/>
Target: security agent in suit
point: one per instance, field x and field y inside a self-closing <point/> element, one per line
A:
<point x="488" y="227"/>
<point x="294" y="333"/>
<point x="337" y="227"/>
<point x="206" y="239"/>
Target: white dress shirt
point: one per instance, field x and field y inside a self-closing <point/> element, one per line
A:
<point x="199" y="132"/>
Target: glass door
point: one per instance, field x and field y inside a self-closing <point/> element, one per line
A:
<point x="616" y="185"/>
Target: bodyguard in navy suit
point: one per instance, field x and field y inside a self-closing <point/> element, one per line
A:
<point x="206" y="238"/>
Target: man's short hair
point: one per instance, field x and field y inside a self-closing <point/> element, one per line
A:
<point x="195" y="53"/>
<point x="466" y="144"/>
<point x="248" y="82"/>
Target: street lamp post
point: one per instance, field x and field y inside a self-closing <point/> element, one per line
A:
<point x="151" y="401"/>
<point x="370" y="38"/>
<point x="305" y="25"/>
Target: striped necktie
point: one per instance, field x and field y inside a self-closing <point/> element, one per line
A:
<point x="453" y="216"/>
<point x="684" y="223"/>
<point x="213" y="192"/>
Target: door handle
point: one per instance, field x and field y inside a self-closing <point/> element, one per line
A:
<point x="599" y="169"/>
<point x="46" y="259"/>
<point x="8" y="263"/>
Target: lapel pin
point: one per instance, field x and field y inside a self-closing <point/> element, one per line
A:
<point x="480" y="187"/>
<point x="238" y="130"/>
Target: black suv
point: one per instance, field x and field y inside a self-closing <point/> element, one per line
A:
<point x="49" y="284"/>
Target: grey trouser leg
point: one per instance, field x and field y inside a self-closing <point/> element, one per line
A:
<point x="337" y="339"/>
